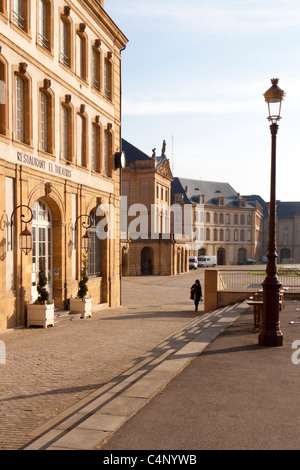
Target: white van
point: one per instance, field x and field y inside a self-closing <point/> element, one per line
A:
<point x="207" y="261"/>
<point x="193" y="262"/>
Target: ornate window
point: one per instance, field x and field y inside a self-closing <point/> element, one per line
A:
<point x="22" y="109"/>
<point x="108" y="76"/>
<point x="82" y="137"/>
<point x="46" y="118"/>
<point x="19" y="109"/>
<point x="3" y="98"/>
<point x="21" y="14"/>
<point x="45" y="25"/>
<point x="107" y="151"/>
<point x="81" y="53"/>
<point x="66" y="49"/>
<point x="67" y="130"/>
<point x="96" y="147"/>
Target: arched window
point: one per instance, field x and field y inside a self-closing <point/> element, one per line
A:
<point x="46" y="120"/>
<point x="96" y="66"/>
<point x="96" y="147"/>
<point x="81" y="53"/>
<point x="22" y="106"/>
<point x="3" y="98"/>
<point x="41" y="245"/>
<point x="108" y="80"/>
<point x="108" y="151"/>
<point x="82" y="140"/>
<point x="21" y="14"/>
<point x="66" y="128"/>
<point x="94" y="254"/>
<point x="66" y="49"/>
<point x="45" y="25"/>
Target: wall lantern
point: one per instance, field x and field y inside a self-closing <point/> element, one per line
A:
<point x="25" y="237"/>
<point x="86" y="239"/>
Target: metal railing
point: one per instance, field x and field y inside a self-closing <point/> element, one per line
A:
<point x="43" y="41"/>
<point x="18" y="20"/>
<point x="64" y="59"/>
<point x="241" y="281"/>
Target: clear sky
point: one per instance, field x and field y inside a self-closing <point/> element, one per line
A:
<point x="194" y="73"/>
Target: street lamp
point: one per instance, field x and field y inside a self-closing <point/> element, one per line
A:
<point x="25" y="237"/>
<point x="86" y="239"/>
<point x="270" y="334"/>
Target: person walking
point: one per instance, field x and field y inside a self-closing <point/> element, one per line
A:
<point x="196" y="293"/>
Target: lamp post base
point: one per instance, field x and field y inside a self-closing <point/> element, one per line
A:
<point x="271" y="334"/>
<point x="271" y="339"/>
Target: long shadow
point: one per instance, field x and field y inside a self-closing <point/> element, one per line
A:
<point x="249" y="348"/>
<point x="57" y="391"/>
<point x="155" y="314"/>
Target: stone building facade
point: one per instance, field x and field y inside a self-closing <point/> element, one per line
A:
<point x="60" y="121"/>
<point x="287" y="229"/>
<point x="148" y="246"/>
<point x="224" y="223"/>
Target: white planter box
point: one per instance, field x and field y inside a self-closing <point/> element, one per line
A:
<point x="82" y="306"/>
<point x="40" y="315"/>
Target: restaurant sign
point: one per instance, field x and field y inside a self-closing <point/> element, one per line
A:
<point x="41" y="164"/>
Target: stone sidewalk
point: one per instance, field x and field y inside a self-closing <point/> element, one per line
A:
<point x="88" y="424"/>
<point x="48" y="371"/>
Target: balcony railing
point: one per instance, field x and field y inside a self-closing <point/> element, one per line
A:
<point x="64" y="59"/>
<point x="43" y="41"/>
<point x="18" y="20"/>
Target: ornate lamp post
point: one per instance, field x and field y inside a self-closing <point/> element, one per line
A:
<point x="270" y="334"/>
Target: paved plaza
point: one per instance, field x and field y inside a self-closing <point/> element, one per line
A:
<point x="152" y="374"/>
<point x="49" y="370"/>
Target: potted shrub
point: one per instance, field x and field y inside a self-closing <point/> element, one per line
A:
<point x="82" y="304"/>
<point x="41" y="312"/>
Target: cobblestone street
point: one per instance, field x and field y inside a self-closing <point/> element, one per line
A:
<point x="49" y="370"/>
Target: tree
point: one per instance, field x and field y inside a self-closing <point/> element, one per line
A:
<point x="82" y="285"/>
<point x="42" y="282"/>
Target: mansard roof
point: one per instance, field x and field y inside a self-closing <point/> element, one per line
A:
<point x="284" y="210"/>
<point x="212" y="190"/>
<point x="132" y="152"/>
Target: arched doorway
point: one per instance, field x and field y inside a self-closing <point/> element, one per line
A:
<point x="124" y="261"/>
<point x="242" y="255"/>
<point x="285" y="253"/>
<point x="221" y="256"/>
<point x="146" y="261"/>
<point x="41" y="247"/>
<point x="202" y="252"/>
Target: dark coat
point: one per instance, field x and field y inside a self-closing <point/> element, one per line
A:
<point x="196" y="291"/>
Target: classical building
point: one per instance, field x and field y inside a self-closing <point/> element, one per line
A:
<point x="287" y="229"/>
<point x="148" y="246"/>
<point x="60" y="120"/>
<point x="224" y="223"/>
